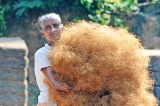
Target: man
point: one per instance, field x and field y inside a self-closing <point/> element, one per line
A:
<point x="50" y="27"/>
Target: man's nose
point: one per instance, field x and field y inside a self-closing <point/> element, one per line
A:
<point x="53" y="29"/>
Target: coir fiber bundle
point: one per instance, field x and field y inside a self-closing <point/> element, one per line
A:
<point x="104" y="65"/>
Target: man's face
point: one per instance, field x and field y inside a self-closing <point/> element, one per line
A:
<point x="51" y="30"/>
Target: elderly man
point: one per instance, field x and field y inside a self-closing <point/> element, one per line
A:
<point x="50" y="27"/>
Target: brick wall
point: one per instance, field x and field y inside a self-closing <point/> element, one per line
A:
<point x="13" y="72"/>
<point x="154" y="68"/>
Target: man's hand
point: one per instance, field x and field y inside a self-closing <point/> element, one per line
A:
<point x="49" y="74"/>
<point x="63" y="87"/>
<point x="42" y="104"/>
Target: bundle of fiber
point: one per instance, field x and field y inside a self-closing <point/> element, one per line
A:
<point x="104" y="65"/>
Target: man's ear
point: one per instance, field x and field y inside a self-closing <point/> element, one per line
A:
<point x="61" y="26"/>
<point x="41" y="32"/>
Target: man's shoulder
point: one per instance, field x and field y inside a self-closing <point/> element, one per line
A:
<point x="41" y="50"/>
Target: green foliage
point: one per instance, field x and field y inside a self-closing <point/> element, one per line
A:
<point x="101" y="11"/>
<point x="107" y="11"/>
<point x="104" y="12"/>
<point x="44" y="6"/>
<point x="22" y="6"/>
<point x="2" y="19"/>
<point x="154" y="1"/>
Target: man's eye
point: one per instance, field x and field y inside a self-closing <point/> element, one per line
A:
<point x="56" y="25"/>
<point x="48" y="27"/>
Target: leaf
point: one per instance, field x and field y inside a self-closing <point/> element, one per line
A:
<point x="1" y="17"/>
<point x="1" y="34"/>
<point x="77" y="18"/>
<point x="105" y="16"/>
<point x="82" y="1"/>
<point x="154" y="1"/>
<point x="33" y="4"/>
<point x="28" y="4"/>
<point x="19" y="5"/>
<point x="98" y="11"/>
<point x="90" y="16"/>
<point x="20" y="11"/>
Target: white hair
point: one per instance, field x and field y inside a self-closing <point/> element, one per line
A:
<point x="43" y="17"/>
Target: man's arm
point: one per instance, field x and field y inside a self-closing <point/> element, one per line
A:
<point x="49" y="74"/>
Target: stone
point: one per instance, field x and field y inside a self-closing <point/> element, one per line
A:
<point x="13" y="72"/>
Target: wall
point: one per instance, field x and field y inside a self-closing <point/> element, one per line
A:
<point x="154" y="69"/>
<point x="13" y="72"/>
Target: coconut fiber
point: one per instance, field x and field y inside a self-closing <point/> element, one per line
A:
<point x="103" y="64"/>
